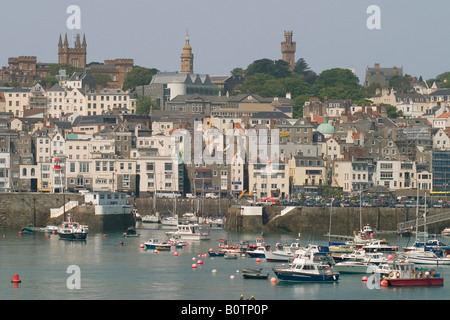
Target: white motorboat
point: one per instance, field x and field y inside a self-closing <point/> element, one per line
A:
<point x="169" y="221"/>
<point x="150" y="218"/>
<point x="354" y="267"/>
<point x="428" y="257"/>
<point x="280" y="254"/>
<point x="51" y="229"/>
<point x="305" y="269"/>
<point x="378" y="246"/>
<point x="71" y="230"/>
<point x="190" y="232"/>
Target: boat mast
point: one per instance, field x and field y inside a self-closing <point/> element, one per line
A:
<point x="417" y="214"/>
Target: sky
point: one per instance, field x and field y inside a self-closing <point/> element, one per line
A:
<point x="228" y="34"/>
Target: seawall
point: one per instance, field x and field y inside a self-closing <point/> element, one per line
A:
<point x="344" y="221"/>
<point x="18" y="210"/>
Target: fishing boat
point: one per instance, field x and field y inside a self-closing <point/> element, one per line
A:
<point x="176" y="241"/>
<point x="257" y="253"/>
<point x="71" y="230"/>
<point x="225" y="247"/>
<point x="211" y="253"/>
<point x="155" y="244"/>
<point x="405" y="273"/>
<point x="190" y="232"/>
<point x="305" y="269"/>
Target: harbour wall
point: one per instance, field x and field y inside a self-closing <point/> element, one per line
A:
<point x="21" y="209"/>
<point x="344" y="221"/>
<point x="18" y="210"/>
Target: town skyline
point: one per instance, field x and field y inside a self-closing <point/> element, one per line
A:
<point x="409" y="36"/>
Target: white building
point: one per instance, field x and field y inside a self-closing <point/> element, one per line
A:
<point x="396" y="174"/>
<point x="269" y="178"/>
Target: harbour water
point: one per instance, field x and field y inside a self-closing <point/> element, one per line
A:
<point x="112" y="267"/>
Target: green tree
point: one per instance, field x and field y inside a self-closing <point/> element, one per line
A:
<point x="237" y="71"/>
<point x="392" y="112"/>
<point x="54" y="69"/>
<point x="337" y="78"/>
<point x="138" y="76"/>
<point x="401" y="84"/>
<point x="143" y="105"/>
<point x="277" y="68"/>
<point x="102" y="79"/>
<point x="301" y="67"/>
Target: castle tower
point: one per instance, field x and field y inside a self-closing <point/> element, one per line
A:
<point x="74" y="56"/>
<point x="187" y="58"/>
<point x="288" y="50"/>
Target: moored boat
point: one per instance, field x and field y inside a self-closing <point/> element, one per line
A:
<point x="305" y="269"/>
<point x="70" y="230"/>
<point x="405" y="273"/>
<point x="131" y="232"/>
<point x="354" y="267"/>
<point x="190" y="232"/>
<point x="150" y="218"/>
<point x="428" y="257"/>
<point x="446" y="232"/>
<point x="257" y="253"/>
<point x="155" y="244"/>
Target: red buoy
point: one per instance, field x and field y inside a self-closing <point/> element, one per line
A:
<point x="16" y="279"/>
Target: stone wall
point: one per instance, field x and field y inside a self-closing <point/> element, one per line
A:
<point x="18" y="210"/>
<point x="344" y="221"/>
<point x="209" y="207"/>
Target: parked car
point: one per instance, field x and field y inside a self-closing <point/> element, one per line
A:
<point x="190" y="195"/>
<point x="211" y="195"/>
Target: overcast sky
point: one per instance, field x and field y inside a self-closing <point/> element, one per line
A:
<point x="234" y="33"/>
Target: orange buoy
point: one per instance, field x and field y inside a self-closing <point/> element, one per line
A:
<point x="16" y="279"/>
<point x="194" y="266"/>
<point x="258" y="259"/>
<point x="364" y="278"/>
<point x="384" y="283"/>
<point x="199" y="262"/>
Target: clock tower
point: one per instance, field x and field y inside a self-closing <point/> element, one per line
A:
<point x="187" y="58"/>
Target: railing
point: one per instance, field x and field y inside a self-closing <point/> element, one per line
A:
<point x="421" y="221"/>
<point x="54" y="213"/>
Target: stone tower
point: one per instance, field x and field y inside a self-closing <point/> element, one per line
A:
<point x="187" y="58"/>
<point x="74" y="56"/>
<point x="288" y="50"/>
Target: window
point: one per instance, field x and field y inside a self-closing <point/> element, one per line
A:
<point x="168" y="166"/>
<point x="84" y="166"/>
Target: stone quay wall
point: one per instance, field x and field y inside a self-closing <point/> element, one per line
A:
<point x="18" y="210"/>
<point x="344" y="221"/>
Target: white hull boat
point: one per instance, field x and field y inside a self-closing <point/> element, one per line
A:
<point x="190" y="232"/>
<point x="354" y="267"/>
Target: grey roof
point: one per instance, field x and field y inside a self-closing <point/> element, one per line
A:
<point x="56" y="87"/>
<point x="270" y="115"/>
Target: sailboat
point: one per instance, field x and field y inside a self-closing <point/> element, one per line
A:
<point x="423" y="254"/>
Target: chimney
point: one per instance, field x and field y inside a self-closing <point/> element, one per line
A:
<point x="377" y="67"/>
